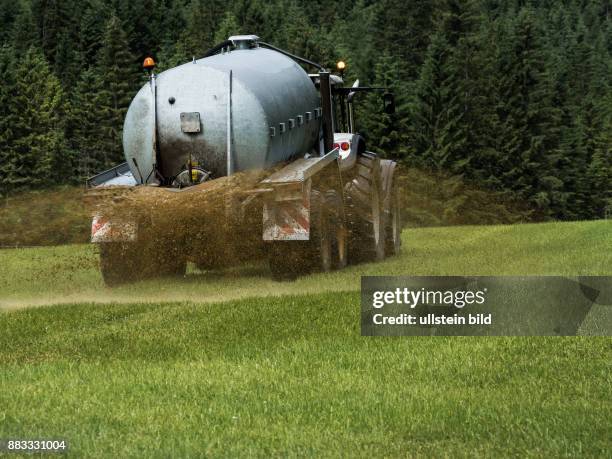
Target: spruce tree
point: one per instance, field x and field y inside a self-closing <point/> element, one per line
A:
<point x="202" y="17"/>
<point x="449" y="92"/>
<point x="353" y="43"/>
<point x="168" y="20"/>
<point x="118" y="80"/>
<point x="24" y="33"/>
<point x="9" y="10"/>
<point x="227" y="27"/>
<point x="483" y="136"/>
<point x="428" y="108"/>
<point x="528" y="136"/>
<point x="596" y="123"/>
<point x="68" y="61"/>
<point x="458" y="25"/>
<point x="385" y="133"/>
<point x="7" y="122"/>
<point x="599" y="175"/>
<point x="91" y="29"/>
<point x="404" y="28"/>
<point x="53" y="18"/>
<point x="38" y="156"/>
<point x="251" y="17"/>
<point x="298" y="36"/>
<point x="137" y="19"/>
<point x="172" y="55"/>
<point x="85" y="133"/>
<point x="567" y="62"/>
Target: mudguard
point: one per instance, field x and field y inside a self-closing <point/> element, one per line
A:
<point x="286" y="209"/>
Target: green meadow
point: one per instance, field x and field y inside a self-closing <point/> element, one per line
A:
<point x="231" y="363"/>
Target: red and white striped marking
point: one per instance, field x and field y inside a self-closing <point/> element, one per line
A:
<point x="104" y="230"/>
<point x="286" y="221"/>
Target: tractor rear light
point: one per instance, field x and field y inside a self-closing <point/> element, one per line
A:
<point x="345" y="146"/>
<point x="336" y="145"/>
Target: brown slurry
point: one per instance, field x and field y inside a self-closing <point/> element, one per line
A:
<point x="203" y="223"/>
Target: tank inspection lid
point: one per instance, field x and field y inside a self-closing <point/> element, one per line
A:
<point x="244" y="41"/>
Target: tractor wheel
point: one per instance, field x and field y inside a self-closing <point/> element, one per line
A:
<point x="393" y="219"/>
<point x="169" y="261"/>
<point x="365" y="211"/>
<point x="393" y="230"/>
<point x="127" y="262"/>
<point x="337" y="229"/>
<point x="286" y="259"/>
<point x="119" y="263"/>
<point x="173" y="268"/>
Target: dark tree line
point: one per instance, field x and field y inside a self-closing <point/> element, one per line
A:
<point x="510" y="95"/>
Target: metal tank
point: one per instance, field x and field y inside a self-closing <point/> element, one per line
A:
<point x="247" y="108"/>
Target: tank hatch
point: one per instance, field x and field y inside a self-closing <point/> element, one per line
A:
<point x="244" y="41"/>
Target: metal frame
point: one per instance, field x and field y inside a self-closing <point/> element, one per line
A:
<point x="102" y="177"/>
<point x="327" y="109"/>
<point x="301" y="170"/>
<point x="286" y="206"/>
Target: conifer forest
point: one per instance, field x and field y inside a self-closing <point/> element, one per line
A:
<point x="512" y="96"/>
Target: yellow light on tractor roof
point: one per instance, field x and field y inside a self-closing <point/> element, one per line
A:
<point x="149" y="63"/>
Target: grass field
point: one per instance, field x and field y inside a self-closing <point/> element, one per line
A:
<point x="232" y="364"/>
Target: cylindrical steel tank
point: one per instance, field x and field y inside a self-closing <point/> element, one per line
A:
<point x="273" y="115"/>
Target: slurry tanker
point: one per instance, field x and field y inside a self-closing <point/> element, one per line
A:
<point x="243" y="154"/>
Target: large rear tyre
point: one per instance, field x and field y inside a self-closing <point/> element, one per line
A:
<point x="118" y="263"/>
<point x="393" y="219"/>
<point x="174" y="268"/>
<point x="169" y="259"/>
<point x="365" y="211"/>
<point x="286" y="259"/>
<point x="128" y="262"/>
